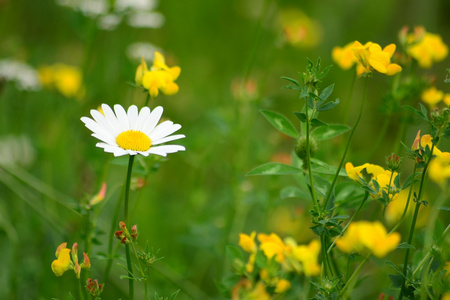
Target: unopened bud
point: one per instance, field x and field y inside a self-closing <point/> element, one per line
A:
<point x="134" y="232"/>
<point x="86" y="262"/>
<point x="393" y="162"/>
<point x="301" y="148"/>
<point x="94" y="288"/>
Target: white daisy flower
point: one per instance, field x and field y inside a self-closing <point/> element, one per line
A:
<point x="133" y="132"/>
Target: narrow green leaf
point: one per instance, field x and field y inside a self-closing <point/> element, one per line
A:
<point x="295" y="82"/>
<point x="424" y="111"/>
<point x="328" y="132"/>
<point x="274" y="169"/>
<point x="317" y="123"/>
<point x="328" y="105"/>
<point x="280" y="122"/>
<point x="326" y="92"/>
<point x="301" y="116"/>
<point x="444" y="208"/>
<point x="405" y="245"/>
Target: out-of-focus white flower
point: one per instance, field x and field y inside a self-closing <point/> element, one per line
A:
<point x="135" y="5"/>
<point x="109" y="22"/>
<point x="146" y="20"/>
<point x="90" y="8"/>
<point x="16" y="150"/>
<point x="138" y="50"/>
<point x="25" y="77"/>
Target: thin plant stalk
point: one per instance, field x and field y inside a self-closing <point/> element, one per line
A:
<point x="350" y="97"/>
<point x="407" y="202"/>
<point x="327" y="198"/>
<point x="308" y="160"/>
<point x="348" y="224"/>
<point x="354" y="275"/>
<point x="81" y="289"/>
<point x="413" y="225"/>
<point x="125" y="217"/>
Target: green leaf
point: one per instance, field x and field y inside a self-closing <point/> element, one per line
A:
<point x="444" y="208"/>
<point x="295" y="82"/>
<point x="174" y="295"/>
<point x="280" y="122"/>
<point x="328" y="132"/>
<point x="274" y="169"/>
<point x="317" y="123"/>
<point x="326" y="92"/>
<point x="301" y="116"/>
<point x="328" y="105"/>
<point x="405" y="245"/>
<point x="397" y="280"/>
<point x="294" y="192"/>
<point x="420" y="113"/>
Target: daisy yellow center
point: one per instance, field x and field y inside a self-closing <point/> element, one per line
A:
<point x="134" y="140"/>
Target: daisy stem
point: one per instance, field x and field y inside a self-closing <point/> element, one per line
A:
<point x="413" y="225"/>
<point x="347" y="146"/>
<point x="125" y="217"/>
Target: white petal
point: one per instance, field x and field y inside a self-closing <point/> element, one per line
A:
<point x="120" y="152"/>
<point x="108" y="148"/>
<point x="105" y="138"/>
<point x="168" y="139"/>
<point x="153" y="119"/>
<point x="163" y="150"/>
<point x="95" y="127"/>
<point x="112" y="119"/>
<point x="166" y="131"/>
<point x="132" y="116"/>
<point x="122" y="117"/>
<point x="101" y="119"/>
<point x="143" y="117"/>
<point x="161" y="127"/>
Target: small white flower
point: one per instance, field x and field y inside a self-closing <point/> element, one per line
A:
<point x="133" y="132"/>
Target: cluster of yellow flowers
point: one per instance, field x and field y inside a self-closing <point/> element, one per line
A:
<point x="68" y="80"/>
<point x="287" y="254"/>
<point x="432" y="96"/>
<point x="384" y="178"/>
<point x="63" y="261"/>
<point x="159" y="77"/>
<point x="367" y="57"/>
<point x="425" y="47"/>
<point x="366" y="235"/>
<point x="299" y="29"/>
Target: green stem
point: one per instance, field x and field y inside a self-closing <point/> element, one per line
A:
<point x="324" y="256"/>
<point x="346" y="286"/>
<point x="125" y="217"/>
<point x="308" y="160"/>
<point x="366" y="196"/>
<point x="413" y="225"/>
<point x="81" y="289"/>
<point x="148" y="99"/>
<point x="347" y="146"/>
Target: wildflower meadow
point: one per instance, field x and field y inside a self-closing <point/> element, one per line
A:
<point x="243" y="149"/>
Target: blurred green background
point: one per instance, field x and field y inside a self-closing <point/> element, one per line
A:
<point x="199" y="200"/>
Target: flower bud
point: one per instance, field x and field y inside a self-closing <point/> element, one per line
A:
<point x="94" y="288"/>
<point x="301" y="148"/>
<point x="393" y="162"/>
<point x="86" y="262"/>
<point x="134" y="232"/>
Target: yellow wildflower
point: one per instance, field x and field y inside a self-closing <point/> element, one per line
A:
<point x="396" y="207"/>
<point x="427" y="49"/>
<point x="439" y="168"/>
<point x="250" y="265"/>
<point x="432" y="96"/>
<point x="344" y="56"/>
<point x="62" y="262"/>
<point x="258" y="293"/>
<point x="447" y="99"/>
<point x="355" y="172"/>
<point x="308" y="256"/>
<point x="68" y="80"/>
<point x="160" y="77"/>
<point x="272" y="246"/>
<point x="282" y="286"/>
<point x="247" y="242"/>
<point x="366" y="235"/>
<point x="446" y="296"/>
<point x="426" y="140"/>
<point x="374" y="237"/>
<point x="372" y="57"/>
